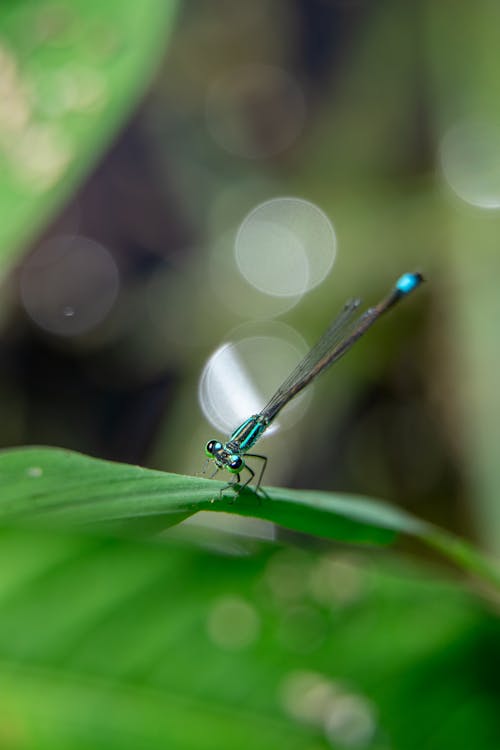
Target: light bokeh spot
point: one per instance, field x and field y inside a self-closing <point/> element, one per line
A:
<point x="272" y="259"/>
<point x="233" y="290"/>
<point x="69" y="285"/>
<point x="239" y="379"/>
<point x="350" y="721"/>
<point x="347" y="718"/>
<point x="306" y="696"/>
<point x="470" y="161"/>
<point x="336" y="582"/>
<point x="233" y="623"/>
<point x="285" y="247"/>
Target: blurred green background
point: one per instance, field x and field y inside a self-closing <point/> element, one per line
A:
<point x="158" y="162"/>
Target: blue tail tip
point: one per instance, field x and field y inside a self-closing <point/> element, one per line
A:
<point x="408" y="282"/>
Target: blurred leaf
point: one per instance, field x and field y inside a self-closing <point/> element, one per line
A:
<point x="56" y="485"/>
<point x="121" y="644"/>
<point x="70" y="74"/>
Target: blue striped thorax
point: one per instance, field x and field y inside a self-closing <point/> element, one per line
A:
<point x="247" y="434"/>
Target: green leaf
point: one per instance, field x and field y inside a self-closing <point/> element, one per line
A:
<point x="73" y="488"/>
<point x="70" y="74"/>
<point x="59" y="486"/>
<point x="115" y="643"/>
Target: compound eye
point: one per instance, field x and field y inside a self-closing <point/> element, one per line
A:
<point x="212" y="447"/>
<point x="235" y="463"/>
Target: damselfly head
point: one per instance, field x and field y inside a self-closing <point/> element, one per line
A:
<point x="224" y="458"/>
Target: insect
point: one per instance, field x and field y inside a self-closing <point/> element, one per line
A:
<point x="341" y="335"/>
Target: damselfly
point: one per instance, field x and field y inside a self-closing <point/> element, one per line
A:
<point x="343" y="332"/>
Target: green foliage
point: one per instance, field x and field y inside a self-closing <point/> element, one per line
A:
<point x="118" y="643"/>
<point x="110" y="642"/>
<point x="69" y="75"/>
<point x="57" y="486"/>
